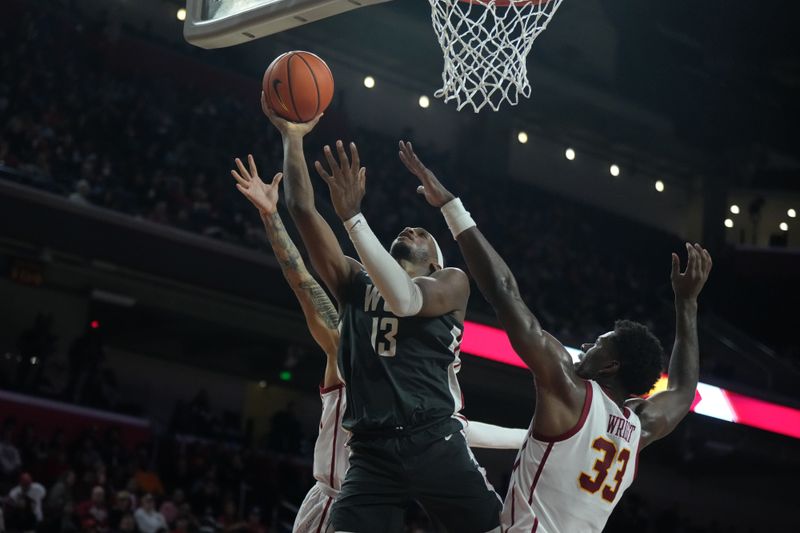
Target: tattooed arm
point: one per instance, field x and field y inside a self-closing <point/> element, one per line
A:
<point x="321" y="316"/>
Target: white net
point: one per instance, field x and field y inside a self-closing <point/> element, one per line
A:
<point x="486" y="44"/>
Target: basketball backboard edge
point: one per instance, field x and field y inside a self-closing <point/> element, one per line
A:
<point x="246" y="20"/>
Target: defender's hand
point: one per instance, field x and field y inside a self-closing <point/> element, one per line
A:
<point x="346" y="181"/>
<point x="687" y="285"/>
<point x="262" y="195"/>
<point x="288" y="129"/>
<point x="434" y="192"/>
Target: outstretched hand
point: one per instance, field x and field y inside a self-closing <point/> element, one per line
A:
<point x="346" y="180"/>
<point x="288" y="129"/>
<point x="433" y="190"/>
<point x="262" y="195"/>
<point x="687" y="285"/>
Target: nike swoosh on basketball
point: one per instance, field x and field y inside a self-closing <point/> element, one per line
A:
<point x="275" y="84"/>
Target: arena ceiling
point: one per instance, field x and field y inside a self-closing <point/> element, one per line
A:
<point x="710" y="85"/>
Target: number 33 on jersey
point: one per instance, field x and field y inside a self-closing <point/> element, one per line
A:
<point x="585" y="470"/>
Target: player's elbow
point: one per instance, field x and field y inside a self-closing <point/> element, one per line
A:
<point x="300" y="207"/>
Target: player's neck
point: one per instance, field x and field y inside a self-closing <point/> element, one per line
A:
<point x="411" y="268"/>
<point x="613" y="390"/>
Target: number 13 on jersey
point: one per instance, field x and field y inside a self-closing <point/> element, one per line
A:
<point x="386" y="328"/>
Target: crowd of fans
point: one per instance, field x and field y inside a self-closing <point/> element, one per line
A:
<point x="75" y="122"/>
<point x="98" y="483"/>
<point x="160" y="150"/>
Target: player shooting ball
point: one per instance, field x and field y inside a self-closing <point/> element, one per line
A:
<point x="331" y="456"/>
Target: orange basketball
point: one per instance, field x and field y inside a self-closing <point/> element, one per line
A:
<point x="298" y="86"/>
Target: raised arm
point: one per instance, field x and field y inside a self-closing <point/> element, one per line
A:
<point x="320" y="314"/>
<point x="327" y="258"/>
<point x="662" y="412"/>
<point x="560" y="392"/>
<point x="442" y="292"/>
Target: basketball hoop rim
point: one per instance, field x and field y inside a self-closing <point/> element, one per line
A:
<point x="506" y="3"/>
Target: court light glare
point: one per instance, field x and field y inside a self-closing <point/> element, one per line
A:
<point x="791" y="213"/>
<point x="424" y="102"/>
<point x="369" y="82"/>
<point x="614" y="170"/>
<point x="728" y="223"/>
<point x="262" y="384"/>
<point x="569" y="153"/>
<point x="659" y="186"/>
<point x="181" y="14"/>
<point x="735" y="209"/>
<point x="522" y="137"/>
<point x="783" y="226"/>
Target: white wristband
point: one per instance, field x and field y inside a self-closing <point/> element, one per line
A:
<point x="457" y="217"/>
<point x="356" y="224"/>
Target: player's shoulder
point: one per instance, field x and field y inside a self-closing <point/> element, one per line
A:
<point x="450" y="273"/>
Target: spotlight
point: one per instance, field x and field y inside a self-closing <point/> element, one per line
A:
<point x="728" y="223"/>
<point x="181" y="14"/>
<point x="783" y="226"/>
<point x="614" y="169"/>
<point x="570" y="154"/>
<point x="369" y="82"/>
<point x="735" y="209"/>
<point x="660" y="186"/>
<point x="424" y="102"/>
<point x="791" y="213"/>
<point x="262" y="384"/>
<point x="94" y="324"/>
<point x="522" y="137"/>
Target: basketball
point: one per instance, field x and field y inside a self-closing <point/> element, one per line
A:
<point x="298" y="86"/>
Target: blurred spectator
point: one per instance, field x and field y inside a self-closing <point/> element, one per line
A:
<point x="146" y="478"/>
<point x="148" y="519"/>
<point x="230" y="521"/>
<point x="127" y="524"/>
<point x="254" y="524"/>
<point x="61" y="492"/>
<point x="123" y="505"/>
<point x="94" y="510"/>
<point x="26" y="504"/>
<point x="170" y="508"/>
<point x="81" y="193"/>
<point x="10" y="460"/>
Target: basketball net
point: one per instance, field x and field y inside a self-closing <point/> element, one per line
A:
<point x="486" y="44"/>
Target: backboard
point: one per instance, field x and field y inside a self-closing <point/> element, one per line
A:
<point x="221" y="23"/>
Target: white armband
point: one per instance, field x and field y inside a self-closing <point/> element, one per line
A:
<point x="403" y="296"/>
<point x="481" y="435"/>
<point x="457" y="217"/>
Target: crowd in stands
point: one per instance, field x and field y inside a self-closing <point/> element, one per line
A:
<point x="75" y="122"/>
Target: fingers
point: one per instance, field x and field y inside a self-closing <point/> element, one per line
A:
<point x="331" y="160"/>
<point x="240" y="181"/>
<point x="689" y="260"/>
<point x="356" y="159"/>
<point x="699" y="263"/>
<point x="244" y="190"/>
<point x="252" y="163"/>
<point x="276" y="180"/>
<point x="313" y="122"/>
<point x="362" y="177"/>
<point x="344" y="161"/>
<point x="421" y="190"/>
<point x="676" y="264"/>
<point x="323" y="173"/>
<point x="243" y="171"/>
<point x="709" y="262"/>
